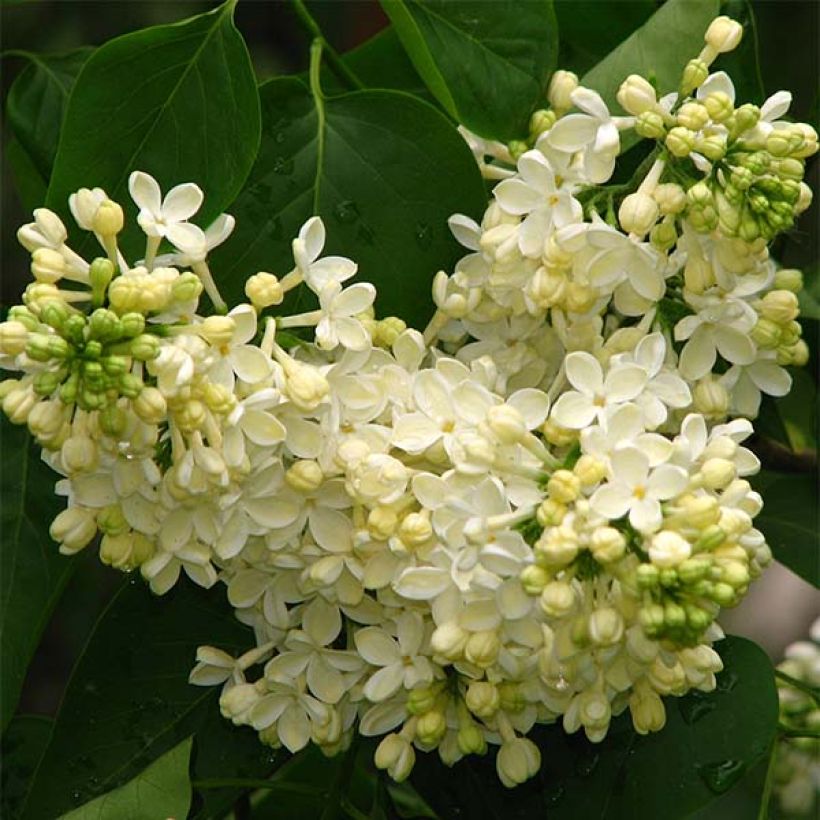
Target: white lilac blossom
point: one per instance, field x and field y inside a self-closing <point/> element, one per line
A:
<point x="532" y="512"/>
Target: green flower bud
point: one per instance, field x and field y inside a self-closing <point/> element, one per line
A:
<point x="789" y="279"/>
<point x="58" y="347"/>
<point x="766" y="334"/>
<point x="674" y="615"/>
<point x="541" y="121"/>
<point x="132" y="324"/>
<point x="104" y="325"/>
<point x="534" y="579"/>
<point x="758" y="203"/>
<point x="431" y="728"/>
<point x="422" y="699"/>
<point x="74" y="328"/>
<point x="113" y="420"/>
<point x="712" y="147"/>
<point x="746" y="117"/>
<point x="471" y="740"/>
<point x="130" y="385"/>
<point x="54" y="313"/>
<point x="517" y="148"/>
<point x="680" y="141"/>
<point x="723" y="594"/>
<point x="145" y="348"/>
<point x="742" y="178"/>
<point x="790" y="168"/>
<point x="187" y="287"/>
<point x="649" y="125"/>
<point x="694" y="75"/>
<point x="47" y="381"/>
<point x="700" y="194"/>
<point x="663" y="236"/>
<point x="20" y="313"/>
<point x="697" y="619"/>
<point x="652" y="619"/>
<point x="693" y="569"/>
<point x="115" y="365"/>
<point x="668" y="577"/>
<point x="92" y="373"/>
<point x="89" y="399"/>
<point x="749" y="229"/>
<point x="68" y="392"/>
<point x="692" y="115"/>
<point x="93" y="349"/>
<point x="703" y="219"/>
<point x="791" y="332"/>
<point x="647" y="576"/>
<point x="100" y="274"/>
<point x="37" y="347"/>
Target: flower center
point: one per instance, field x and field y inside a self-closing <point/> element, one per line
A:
<point x="639" y="492"/>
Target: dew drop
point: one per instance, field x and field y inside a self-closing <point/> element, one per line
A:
<point x="720" y="777"/>
<point x="586" y="765"/>
<point x="695" y="706"/>
<point x="346" y="212"/>
<point x="283" y="165"/>
<point x="555" y="794"/>
<point x="423" y="234"/>
<point x="727" y="681"/>
<point x="279" y="137"/>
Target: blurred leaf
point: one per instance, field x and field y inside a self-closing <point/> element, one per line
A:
<point x="129" y="701"/>
<point x="30" y="185"/>
<point x="590" y="29"/>
<point x="798" y="410"/>
<point x="789" y="520"/>
<point x="658" y="50"/>
<point x="161" y="790"/>
<point x="375" y="174"/>
<point x="32" y="571"/>
<point x="809" y="296"/>
<point x="36" y="103"/>
<point x="488" y="64"/>
<point x="743" y="64"/>
<point x="708" y="743"/>
<point x="178" y="101"/>
<point x="24" y="742"/>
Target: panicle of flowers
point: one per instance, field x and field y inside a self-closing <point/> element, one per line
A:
<point x="797" y="772"/>
<point x="531" y="512"/>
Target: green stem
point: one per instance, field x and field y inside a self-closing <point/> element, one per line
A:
<point x="245" y="783"/>
<point x="812" y="691"/>
<point x="335" y="62"/>
<point x="788" y="731"/>
<point x="768" y="784"/>
<point x="319" y="101"/>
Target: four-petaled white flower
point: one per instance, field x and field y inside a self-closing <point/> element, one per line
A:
<point x="319" y="272"/>
<point x="338" y="325"/>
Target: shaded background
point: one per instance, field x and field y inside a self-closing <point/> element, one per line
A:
<point x="778" y="609"/>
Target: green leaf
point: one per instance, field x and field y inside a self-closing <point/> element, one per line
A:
<point x="659" y="49"/>
<point x="24" y="742"/>
<point x="488" y="64"/>
<point x="129" y="701"/>
<point x="32" y="571"/>
<point x="161" y="790"/>
<point x="31" y="186"/>
<point x="178" y="101"/>
<point x="708" y="743"/>
<point x="789" y="520"/>
<point x="590" y="29"/>
<point x="385" y="171"/>
<point x="37" y="100"/>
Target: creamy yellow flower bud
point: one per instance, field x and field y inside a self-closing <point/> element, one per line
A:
<point x="779" y="306"/>
<point x="541" y="121"/>
<point x="670" y="197"/>
<point x="561" y="86"/>
<point x="636" y="95"/>
<point x="589" y="470"/>
<point x="699" y="512"/>
<point x="799" y="354"/>
<point x="263" y="290"/>
<point x="482" y="648"/>
<point x="517" y="761"/>
<point x="766" y="334"/>
<point x="46" y="418"/>
<point x="789" y="279"/>
<point x="47" y="265"/>
<point x="564" y="486"/>
<point x="680" y="141"/>
<point x="191" y="416"/>
<point x="306" y="387"/>
<point x="74" y="528"/>
<point x="698" y="275"/>
<point x="109" y="219"/>
<point x="647" y="711"/>
<point x="638" y="213"/>
<point x="395" y="755"/>
<point x="557" y="547"/>
<point x="607" y="544"/>
<point x="449" y="640"/>
<point x="218" y="330"/>
<point x="717" y="473"/>
<point x="389" y="329"/>
<point x="710" y="398"/>
<point x="304" y="476"/>
<point x="507" y="423"/>
<point x="79" y="454"/>
<point x="692" y="116"/>
<point x="668" y="549"/>
<point x="550" y="512"/>
<point x="534" y="579"/>
<point x="809" y="144"/>
<point x="471" y="740"/>
<point x="719" y="106"/>
<point x="13" y="338"/>
<point x="579" y="298"/>
<point x="431" y="727"/>
<point x="606" y="626"/>
<point x="558" y="599"/>
<point x="382" y="523"/>
<point x="415" y="529"/>
<point x="723" y="34"/>
<point x="482" y="699"/>
<point x="150" y="405"/>
<point x="547" y="288"/>
<point x="557" y="435"/>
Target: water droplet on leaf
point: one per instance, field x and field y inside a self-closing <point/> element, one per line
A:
<point x="695" y="706"/>
<point x="424" y="234"/>
<point x="720" y="777"/>
<point x="346" y="212"/>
